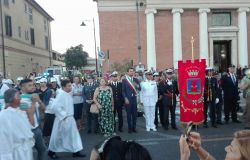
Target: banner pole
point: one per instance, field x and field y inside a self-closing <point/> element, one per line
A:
<point x="192" y="46"/>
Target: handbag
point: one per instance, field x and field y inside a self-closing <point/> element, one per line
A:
<point x="94" y="109"/>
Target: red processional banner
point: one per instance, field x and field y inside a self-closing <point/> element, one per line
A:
<point x="191" y="81"/>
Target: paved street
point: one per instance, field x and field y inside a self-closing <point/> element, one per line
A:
<point x="163" y="145"/>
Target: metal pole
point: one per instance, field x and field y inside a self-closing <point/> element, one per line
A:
<point x="138" y="33"/>
<point x="96" y="62"/>
<point x="49" y="44"/>
<point x="3" y="45"/>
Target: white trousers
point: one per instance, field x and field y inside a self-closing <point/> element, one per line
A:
<point x="149" y="116"/>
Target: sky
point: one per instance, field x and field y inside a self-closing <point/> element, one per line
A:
<point x="66" y="30"/>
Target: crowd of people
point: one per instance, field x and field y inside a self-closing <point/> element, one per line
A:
<point x="51" y="115"/>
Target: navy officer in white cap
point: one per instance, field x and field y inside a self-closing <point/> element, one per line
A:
<point x="116" y="86"/>
<point x="149" y="97"/>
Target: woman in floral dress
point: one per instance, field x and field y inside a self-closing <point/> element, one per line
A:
<point x="103" y="98"/>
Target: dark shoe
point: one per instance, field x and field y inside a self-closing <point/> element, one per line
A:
<point x="134" y="130"/>
<point x="52" y="155"/>
<point x="129" y="131"/>
<point x="236" y="121"/>
<point x="174" y="128"/>
<point x="214" y="125"/>
<point x="220" y="123"/>
<point x="120" y="130"/>
<point x="205" y="125"/>
<point x="165" y="127"/>
<point x="78" y="154"/>
<point x="246" y="127"/>
<point x="89" y="131"/>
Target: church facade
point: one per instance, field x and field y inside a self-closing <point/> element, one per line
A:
<point x="158" y="33"/>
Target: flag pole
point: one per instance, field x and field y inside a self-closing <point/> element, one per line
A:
<point x="192" y="45"/>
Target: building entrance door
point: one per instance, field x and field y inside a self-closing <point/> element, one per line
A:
<point x="222" y="55"/>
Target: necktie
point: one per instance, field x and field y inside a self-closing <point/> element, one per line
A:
<point x="233" y="78"/>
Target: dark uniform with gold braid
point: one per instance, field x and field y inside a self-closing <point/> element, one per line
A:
<point x="210" y="98"/>
<point x="168" y="91"/>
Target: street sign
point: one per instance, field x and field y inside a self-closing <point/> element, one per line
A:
<point x="101" y="55"/>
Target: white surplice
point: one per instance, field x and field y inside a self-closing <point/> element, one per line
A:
<point x="65" y="136"/>
<point x="16" y="138"/>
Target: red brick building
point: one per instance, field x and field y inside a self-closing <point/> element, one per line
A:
<point x="221" y="29"/>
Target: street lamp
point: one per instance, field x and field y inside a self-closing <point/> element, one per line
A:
<point x="96" y="62"/>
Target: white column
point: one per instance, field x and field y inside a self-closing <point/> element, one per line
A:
<point x="242" y="37"/>
<point x="151" y="52"/>
<point x="177" y="43"/>
<point x="203" y="34"/>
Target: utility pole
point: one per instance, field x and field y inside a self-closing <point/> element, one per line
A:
<point x="3" y="45"/>
<point x="138" y="33"/>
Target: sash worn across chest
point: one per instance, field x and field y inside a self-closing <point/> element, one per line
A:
<point x="131" y="85"/>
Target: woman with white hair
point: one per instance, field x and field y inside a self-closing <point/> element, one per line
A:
<point x="245" y="87"/>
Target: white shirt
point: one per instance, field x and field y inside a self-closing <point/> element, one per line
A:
<point x="49" y="107"/>
<point x="149" y="93"/>
<point x="77" y="89"/>
<point x="233" y="77"/>
<point x="16" y="136"/>
<point x="36" y="113"/>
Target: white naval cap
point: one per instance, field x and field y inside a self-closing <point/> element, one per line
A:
<point x="19" y="78"/>
<point x="7" y="81"/>
<point x="169" y="71"/>
<point x="52" y="79"/>
<point x="148" y="72"/>
<point x="43" y="80"/>
<point x="114" y="73"/>
<point x="156" y="74"/>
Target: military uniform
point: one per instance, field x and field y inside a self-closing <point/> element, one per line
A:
<point x="118" y="101"/>
<point x="210" y="98"/>
<point x="169" y="91"/>
<point x="149" y="97"/>
<point x="88" y="94"/>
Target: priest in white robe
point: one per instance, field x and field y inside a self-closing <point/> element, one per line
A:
<point x="65" y="136"/>
<point x="16" y="138"/>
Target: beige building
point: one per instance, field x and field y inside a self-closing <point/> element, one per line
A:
<point x="25" y="45"/>
<point x="58" y="59"/>
<point x="157" y="33"/>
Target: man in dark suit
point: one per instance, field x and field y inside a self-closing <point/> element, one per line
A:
<point x="210" y="97"/>
<point x="88" y="93"/>
<point x="169" y="91"/>
<point x="220" y="103"/>
<point x="118" y="98"/>
<point x="230" y="89"/>
<point x="130" y="87"/>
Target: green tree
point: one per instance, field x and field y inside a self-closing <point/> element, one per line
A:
<point x="121" y="67"/>
<point x="75" y="56"/>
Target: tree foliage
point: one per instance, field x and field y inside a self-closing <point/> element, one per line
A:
<point x="75" y="56"/>
<point x="121" y="67"/>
